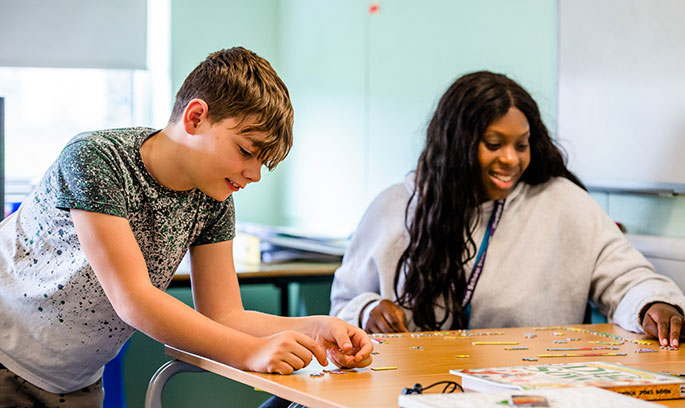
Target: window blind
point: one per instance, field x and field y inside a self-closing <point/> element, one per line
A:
<point x="73" y="33"/>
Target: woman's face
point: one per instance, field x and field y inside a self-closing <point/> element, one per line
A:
<point x="504" y="153"/>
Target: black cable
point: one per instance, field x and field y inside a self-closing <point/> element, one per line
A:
<point x="450" y="386"/>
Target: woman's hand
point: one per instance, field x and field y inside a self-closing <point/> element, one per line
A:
<point x="386" y="317"/>
<point x="665" y="322"/>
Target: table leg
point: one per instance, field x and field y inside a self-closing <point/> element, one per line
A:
<point x="153" y="396"/>
<point x="285" y="297"/>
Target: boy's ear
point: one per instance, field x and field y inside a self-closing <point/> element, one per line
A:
<point x="194" y="115"/>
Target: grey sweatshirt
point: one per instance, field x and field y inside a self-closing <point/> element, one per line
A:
<point x="554" y="249"/>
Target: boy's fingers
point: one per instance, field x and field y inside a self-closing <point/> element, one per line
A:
<point x="282" y="368"/>
<point x="363" y="344"/>
<point x="343" y="360"/>
<point x="342" y="339"/>
<point x="300" y="357"/>
<point x="311" y="345"/>
<point x="364" y="362"/>
<point x="340" y="359"/>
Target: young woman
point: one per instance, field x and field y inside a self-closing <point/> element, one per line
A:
<point x="492" y="230"/>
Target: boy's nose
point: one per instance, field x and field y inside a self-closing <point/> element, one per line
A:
<point x="253" y="171"/>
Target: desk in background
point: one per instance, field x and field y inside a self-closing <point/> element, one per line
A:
<point x="426" y="366"/>
<point x="280" y="275"/>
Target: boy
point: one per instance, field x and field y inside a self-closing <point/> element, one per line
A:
<point x="85" y="260"/>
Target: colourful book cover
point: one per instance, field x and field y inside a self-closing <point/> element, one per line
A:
<point x="614" y="377"/>
<point x="573" y="397"/>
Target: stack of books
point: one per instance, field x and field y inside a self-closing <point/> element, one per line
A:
<point x="256" y="243"/>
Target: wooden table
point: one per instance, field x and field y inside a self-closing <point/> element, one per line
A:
<point x="426" y="366"/>
<point x="280" y="275"/>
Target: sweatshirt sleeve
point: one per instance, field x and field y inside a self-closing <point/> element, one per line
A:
<point x="368" y="269"/>
<point x="623" y="281"/>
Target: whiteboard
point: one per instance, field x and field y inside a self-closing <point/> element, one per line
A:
<point x="622" y="93"/>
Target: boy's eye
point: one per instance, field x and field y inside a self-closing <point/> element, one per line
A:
<point x="244" y="152"/>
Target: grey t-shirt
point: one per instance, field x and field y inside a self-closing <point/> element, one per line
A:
<point x="57" y="328"/>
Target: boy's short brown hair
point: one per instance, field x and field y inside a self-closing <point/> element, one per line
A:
<point x="237" y="83"/>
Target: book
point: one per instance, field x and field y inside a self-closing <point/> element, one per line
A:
<point x="255" y="244"/>
<point x="630" y="381"/>
<point x="576" y="397"/>
<point x="275" y="254"/>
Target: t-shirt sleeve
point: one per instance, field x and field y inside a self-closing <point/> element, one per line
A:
<point x="87" y="179"/>
<point x="220" y="224"/>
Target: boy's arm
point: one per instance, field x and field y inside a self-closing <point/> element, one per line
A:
<point x="116" y="259"/>
<point x="214" y="279"/>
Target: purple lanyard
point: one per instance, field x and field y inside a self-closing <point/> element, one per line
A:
<point x="480" y="258"/>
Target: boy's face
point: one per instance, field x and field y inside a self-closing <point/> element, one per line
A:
<point x="226" y="160"/>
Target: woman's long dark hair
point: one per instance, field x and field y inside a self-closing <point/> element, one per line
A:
<point x="448" y="191"/>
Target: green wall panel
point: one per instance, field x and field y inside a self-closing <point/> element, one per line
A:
<point x="322" y="49"/>
<point x="200" y="27"/>
<point x="417" y="49"/>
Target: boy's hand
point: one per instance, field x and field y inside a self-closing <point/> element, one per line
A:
<point x="665" y="322"/>
<point x="386" y="317"/>
<point x="346" y="345"/>
<point x="283" y="353"/>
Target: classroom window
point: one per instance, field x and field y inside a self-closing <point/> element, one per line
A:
<point x="45" y="107"/>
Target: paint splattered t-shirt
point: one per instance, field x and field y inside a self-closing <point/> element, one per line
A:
<point x="57" y="328"/>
